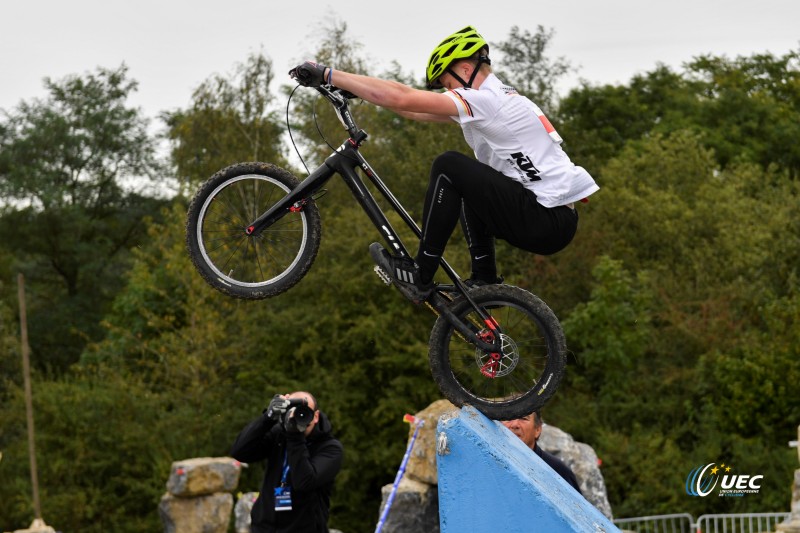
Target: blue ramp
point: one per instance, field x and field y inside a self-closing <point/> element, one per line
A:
<point x="490" y="482"/>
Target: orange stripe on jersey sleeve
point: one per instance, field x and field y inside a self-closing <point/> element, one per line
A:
<point x="467" y="108"/>
<point x="546" y="123"/>
<point x="548" y="127"/>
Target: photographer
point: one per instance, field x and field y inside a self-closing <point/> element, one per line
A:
<point x="303" y="458"/>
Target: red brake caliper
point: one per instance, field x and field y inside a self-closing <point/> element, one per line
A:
<point x="492" y="366"/>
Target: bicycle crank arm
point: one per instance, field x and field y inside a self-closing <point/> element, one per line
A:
<point x="440" y="306"/>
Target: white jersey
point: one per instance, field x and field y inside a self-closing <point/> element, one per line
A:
<point x="510" y="133"/>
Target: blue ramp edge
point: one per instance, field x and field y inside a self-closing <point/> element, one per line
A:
<point x="489" y="481"/>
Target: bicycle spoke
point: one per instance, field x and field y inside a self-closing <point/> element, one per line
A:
<point x="250" y="259"/>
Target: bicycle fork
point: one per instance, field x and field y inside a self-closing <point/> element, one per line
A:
<point x="487" y="338"/>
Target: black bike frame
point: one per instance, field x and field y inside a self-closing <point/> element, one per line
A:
<point x="344" y="162"/>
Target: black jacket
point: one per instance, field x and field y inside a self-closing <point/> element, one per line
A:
<point x="313" y="465"/>
<point x="559" y="466"/>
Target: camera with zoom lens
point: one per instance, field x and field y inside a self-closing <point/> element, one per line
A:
<point x="298" y="415"/>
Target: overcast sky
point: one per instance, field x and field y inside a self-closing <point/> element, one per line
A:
<point x="171" y="46"/>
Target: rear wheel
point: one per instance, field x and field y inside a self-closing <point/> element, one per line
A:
<point x="250" y="266"/>
<point x="518" y="379"/>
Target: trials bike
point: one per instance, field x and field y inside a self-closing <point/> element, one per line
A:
<point x="253" y="231"/>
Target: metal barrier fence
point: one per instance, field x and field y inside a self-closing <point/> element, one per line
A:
<point x="740" y="523"/>
<point x="665" y="523"/>
<point x="709" y="523"/>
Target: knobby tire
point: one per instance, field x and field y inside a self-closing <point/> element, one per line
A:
<point x="258" y="266"/>
<point x="532" y="361"/>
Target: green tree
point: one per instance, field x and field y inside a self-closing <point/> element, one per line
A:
<point x="100" y="465"/>
<point x="757" y="373"/>
<point x="750" y="108"/>
<point x="597" y="122"/>
<point x="231" y="119"/>
<point x="526" y="65"/>
<point x="10" y="355"/>
<point x="745" y="109"/>
<point x="74" y="172"/>
<point x="680" y="357"/>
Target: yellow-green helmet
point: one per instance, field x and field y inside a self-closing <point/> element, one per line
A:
<point x="461" y="45"/>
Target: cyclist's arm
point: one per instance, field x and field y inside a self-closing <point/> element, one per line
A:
<point x="402" y="99"/>
<point x="422" y="117"/>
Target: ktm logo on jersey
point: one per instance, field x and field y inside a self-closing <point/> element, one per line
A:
<point x="526" y="165"/>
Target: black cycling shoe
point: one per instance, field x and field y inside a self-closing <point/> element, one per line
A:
<point x="403" y="272"/>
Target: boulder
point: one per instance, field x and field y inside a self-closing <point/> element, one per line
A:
<point x="422" y="461"/>
<point x="203" y="476"/>
<point x="201" y="514"/>
<point x="798" y="443"/>
<point x="241" y="511"/>
<point x="415" y="508"/>
<point x="37" y="526"/>
<point x="792" y="525"/>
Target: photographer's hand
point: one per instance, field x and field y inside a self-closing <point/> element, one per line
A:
<point x="277" y="407"/>
<point x="290" y="423"/>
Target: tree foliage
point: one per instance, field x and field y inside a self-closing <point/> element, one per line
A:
<point x="231" y="119"/>
<point x="75" y="174"/>
<point x="744" y="109"/>
<point x="76" y="147"/>
<point x="674" y="331"/>
<point x="525" y="64"/>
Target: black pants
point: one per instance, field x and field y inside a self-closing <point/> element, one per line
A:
<point x="489" y="205"/>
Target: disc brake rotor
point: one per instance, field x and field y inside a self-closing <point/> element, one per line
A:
<point x="497" y="365"/>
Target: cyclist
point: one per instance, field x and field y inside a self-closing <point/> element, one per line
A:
<point x="522" y="188"/>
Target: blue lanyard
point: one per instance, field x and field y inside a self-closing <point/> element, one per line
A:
<point x="285" y="468"/>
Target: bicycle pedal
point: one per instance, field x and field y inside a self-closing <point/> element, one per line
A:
<point x="383" y="275"/>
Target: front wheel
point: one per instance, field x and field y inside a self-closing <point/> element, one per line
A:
<point x="511" y="383"/>
<point x="250" y="266"/>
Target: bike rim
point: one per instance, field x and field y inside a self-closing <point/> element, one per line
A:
<point x="519" y="369"/>
<point x="249" y="260"/>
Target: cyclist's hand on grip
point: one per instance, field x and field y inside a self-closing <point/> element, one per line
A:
<point x="277" y="407"/>
<point x="309" y="74"/>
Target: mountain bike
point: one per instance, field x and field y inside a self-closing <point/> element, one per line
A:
<point x="253" y="231"/>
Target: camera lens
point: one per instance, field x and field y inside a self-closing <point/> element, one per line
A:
<point x="298" y="417"/>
